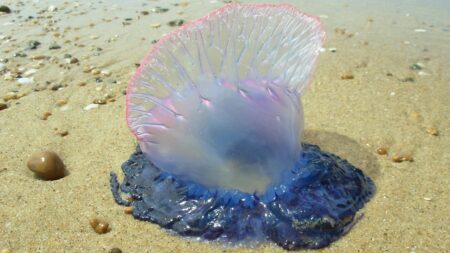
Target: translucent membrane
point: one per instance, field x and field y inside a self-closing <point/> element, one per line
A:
<point x="217" y="101"/>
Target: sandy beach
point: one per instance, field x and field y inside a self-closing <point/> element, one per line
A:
<point x="381" y="81"/>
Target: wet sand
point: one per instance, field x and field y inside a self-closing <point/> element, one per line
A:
<point x="382" y="80"/>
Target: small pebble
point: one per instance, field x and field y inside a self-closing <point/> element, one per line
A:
<point x="61" y="102"/>
<point x="20" y="54"/>
<point x="32" y="45"/>
<point x="128" y="210"/>
<point x="39" y="57"/>
<point x="105" y="72"/>
<point x="145" y="13"/>
<point x="115" y="250"/>
<point x="433" y="131"/>
<point x="156" y="25"/>
<point x="382" y="151"/>
<point x="417" y="66"/>
<point x="29" y="72"/>
<point x="46" y="165"/>
<point x="95" y="71"/>
<point x="54" y="46"/>
<point x="402" y="158"/>
<point x="332" y="49"/>
<point x="407" y="158"/>
<point x="99" y="101"/>
<point x="82" y="84"/>
<point x="87" y="69"/>
<point x="56" y="87"/>
<point x="347" y="76"/>
<point x="3" y="106"/>
<point x="176" y="22"/>
<point x="62" y="133"/>
<point x="45" y="115"/>
<point x="10" y="96"/>
<point x="73" y="60"/>
<point x="52" y="8"/>
<point x="159" y="10"/>
<point x="427" y="198"/>
<point x="397" y="159"/>
<point x="25" y="80"/>
<point x="90" y="107"/>
<point x="99" y="226"/>
<point x="5" y="9"/>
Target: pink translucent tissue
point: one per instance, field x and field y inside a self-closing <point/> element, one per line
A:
<point x="218" y="100"/>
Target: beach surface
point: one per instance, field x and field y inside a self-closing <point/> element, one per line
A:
<point x="382" y="81"/>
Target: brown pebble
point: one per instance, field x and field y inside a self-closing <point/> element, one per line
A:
<point x="99" y="226"/>
<point x="56" y="87"/>
<point x="128" y="210"/>
<point x="347" y="77"/>
<point x="95" y="71"/>
<point x="87" y="69"/>
<point x="3" y="106"/>
<point x="99" y="101"/>
<point x="61" y="102"/>
<point x="407" y="158"/>
<point x="397" y="159"/>
<point x="62" y="133"/>
<point x="73" y="60"/>
<point x="38" y="57"/>
<point x="82" y="84"/>
<point x="115" y="250"/>
<point x="10" y="96"/>
<point x="433" y="131"/>
<point x="46" y="165"/>
<point x="382" y="151"/>
<point x="45" y="115"/>
<point x="402" y="158"/>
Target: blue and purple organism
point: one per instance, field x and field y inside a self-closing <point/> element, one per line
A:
<point x="216" y="109"/>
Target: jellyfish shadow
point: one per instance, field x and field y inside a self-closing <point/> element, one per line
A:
<point x="347" y="149"/>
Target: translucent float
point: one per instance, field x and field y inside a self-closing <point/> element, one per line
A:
<point x="216" y="109"/>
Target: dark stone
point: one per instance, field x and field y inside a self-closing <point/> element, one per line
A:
<point x="176" y="22"/>
<point x="54" y="46"/>
<point x="20" y="54"/>
<point x="5" y="9"/>
<point x="33" y="44"/>
<point x="159" y="10"/>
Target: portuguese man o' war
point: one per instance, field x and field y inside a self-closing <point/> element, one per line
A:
<point x="216" y="109"/>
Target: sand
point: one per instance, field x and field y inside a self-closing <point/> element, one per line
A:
<point x="363" y="96"/>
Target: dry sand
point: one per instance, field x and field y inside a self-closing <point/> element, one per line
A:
<point x="382" y="103"/>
